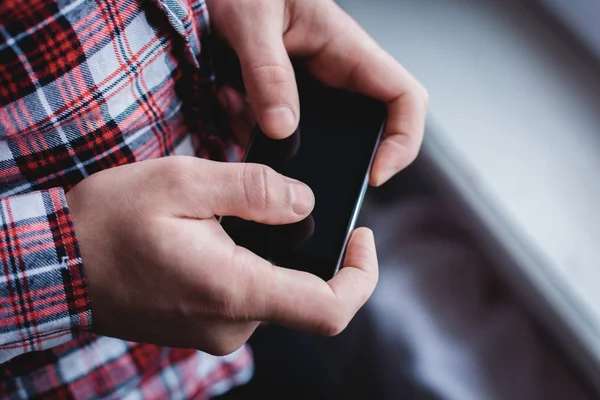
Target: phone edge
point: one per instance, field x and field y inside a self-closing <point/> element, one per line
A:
<point x="359" y="201"/>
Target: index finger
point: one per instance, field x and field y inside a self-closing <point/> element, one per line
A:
<point x="380" y="76"/>
<point x="361" y="65"/>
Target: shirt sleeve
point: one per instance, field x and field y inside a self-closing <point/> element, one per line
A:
<point x="43" y="296"/>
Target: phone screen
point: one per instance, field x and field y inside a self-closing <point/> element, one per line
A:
<point x="331" y="151"/>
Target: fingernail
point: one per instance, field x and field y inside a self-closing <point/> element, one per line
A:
<point x="304" y="199"/>
<point x="278" y="121"/>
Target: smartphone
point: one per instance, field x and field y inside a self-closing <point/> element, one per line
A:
<point x="331" y="151"/>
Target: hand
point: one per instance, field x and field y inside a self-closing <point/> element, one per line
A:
<point x="161" y="270"/>
<point x="337" y="51"/>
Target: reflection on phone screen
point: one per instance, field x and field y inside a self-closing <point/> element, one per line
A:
<point x="331" y="152"/>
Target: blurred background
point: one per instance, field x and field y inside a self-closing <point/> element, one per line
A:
<point x="489" y="244"/>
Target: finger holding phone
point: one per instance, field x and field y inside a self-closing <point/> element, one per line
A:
<point x="162" y="270"/>
<point x="337" y="51"/>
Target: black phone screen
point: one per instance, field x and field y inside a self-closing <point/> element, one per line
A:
<point x="331" y="151"/>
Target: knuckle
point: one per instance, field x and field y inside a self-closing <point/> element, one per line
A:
<point x="175" y="171"/>
<point x="170" y="168"/>
<point x="334" y="322"/>
<point x="176" y="164"/>
<point x="272" y="73"/>
<point x="334" y="327"/>
<point x="362" y="253"/>
<point x="256" y="185"/>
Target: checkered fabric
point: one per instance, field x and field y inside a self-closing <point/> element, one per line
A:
<point x="87" y="85"/>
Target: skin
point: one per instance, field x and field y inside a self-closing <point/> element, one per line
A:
<point x="265" y="33"/>
<point x="159" y="267"/>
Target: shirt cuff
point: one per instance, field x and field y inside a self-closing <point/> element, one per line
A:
<point x="43" y="295"/>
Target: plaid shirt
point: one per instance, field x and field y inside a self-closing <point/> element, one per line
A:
<point x="87" y="85"/>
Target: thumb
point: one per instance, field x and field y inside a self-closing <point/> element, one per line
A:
<point x="303" y="301"/>
<point x="266" y="68"/>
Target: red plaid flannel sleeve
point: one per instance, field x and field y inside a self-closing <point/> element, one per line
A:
<point x="43" y="296"/>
